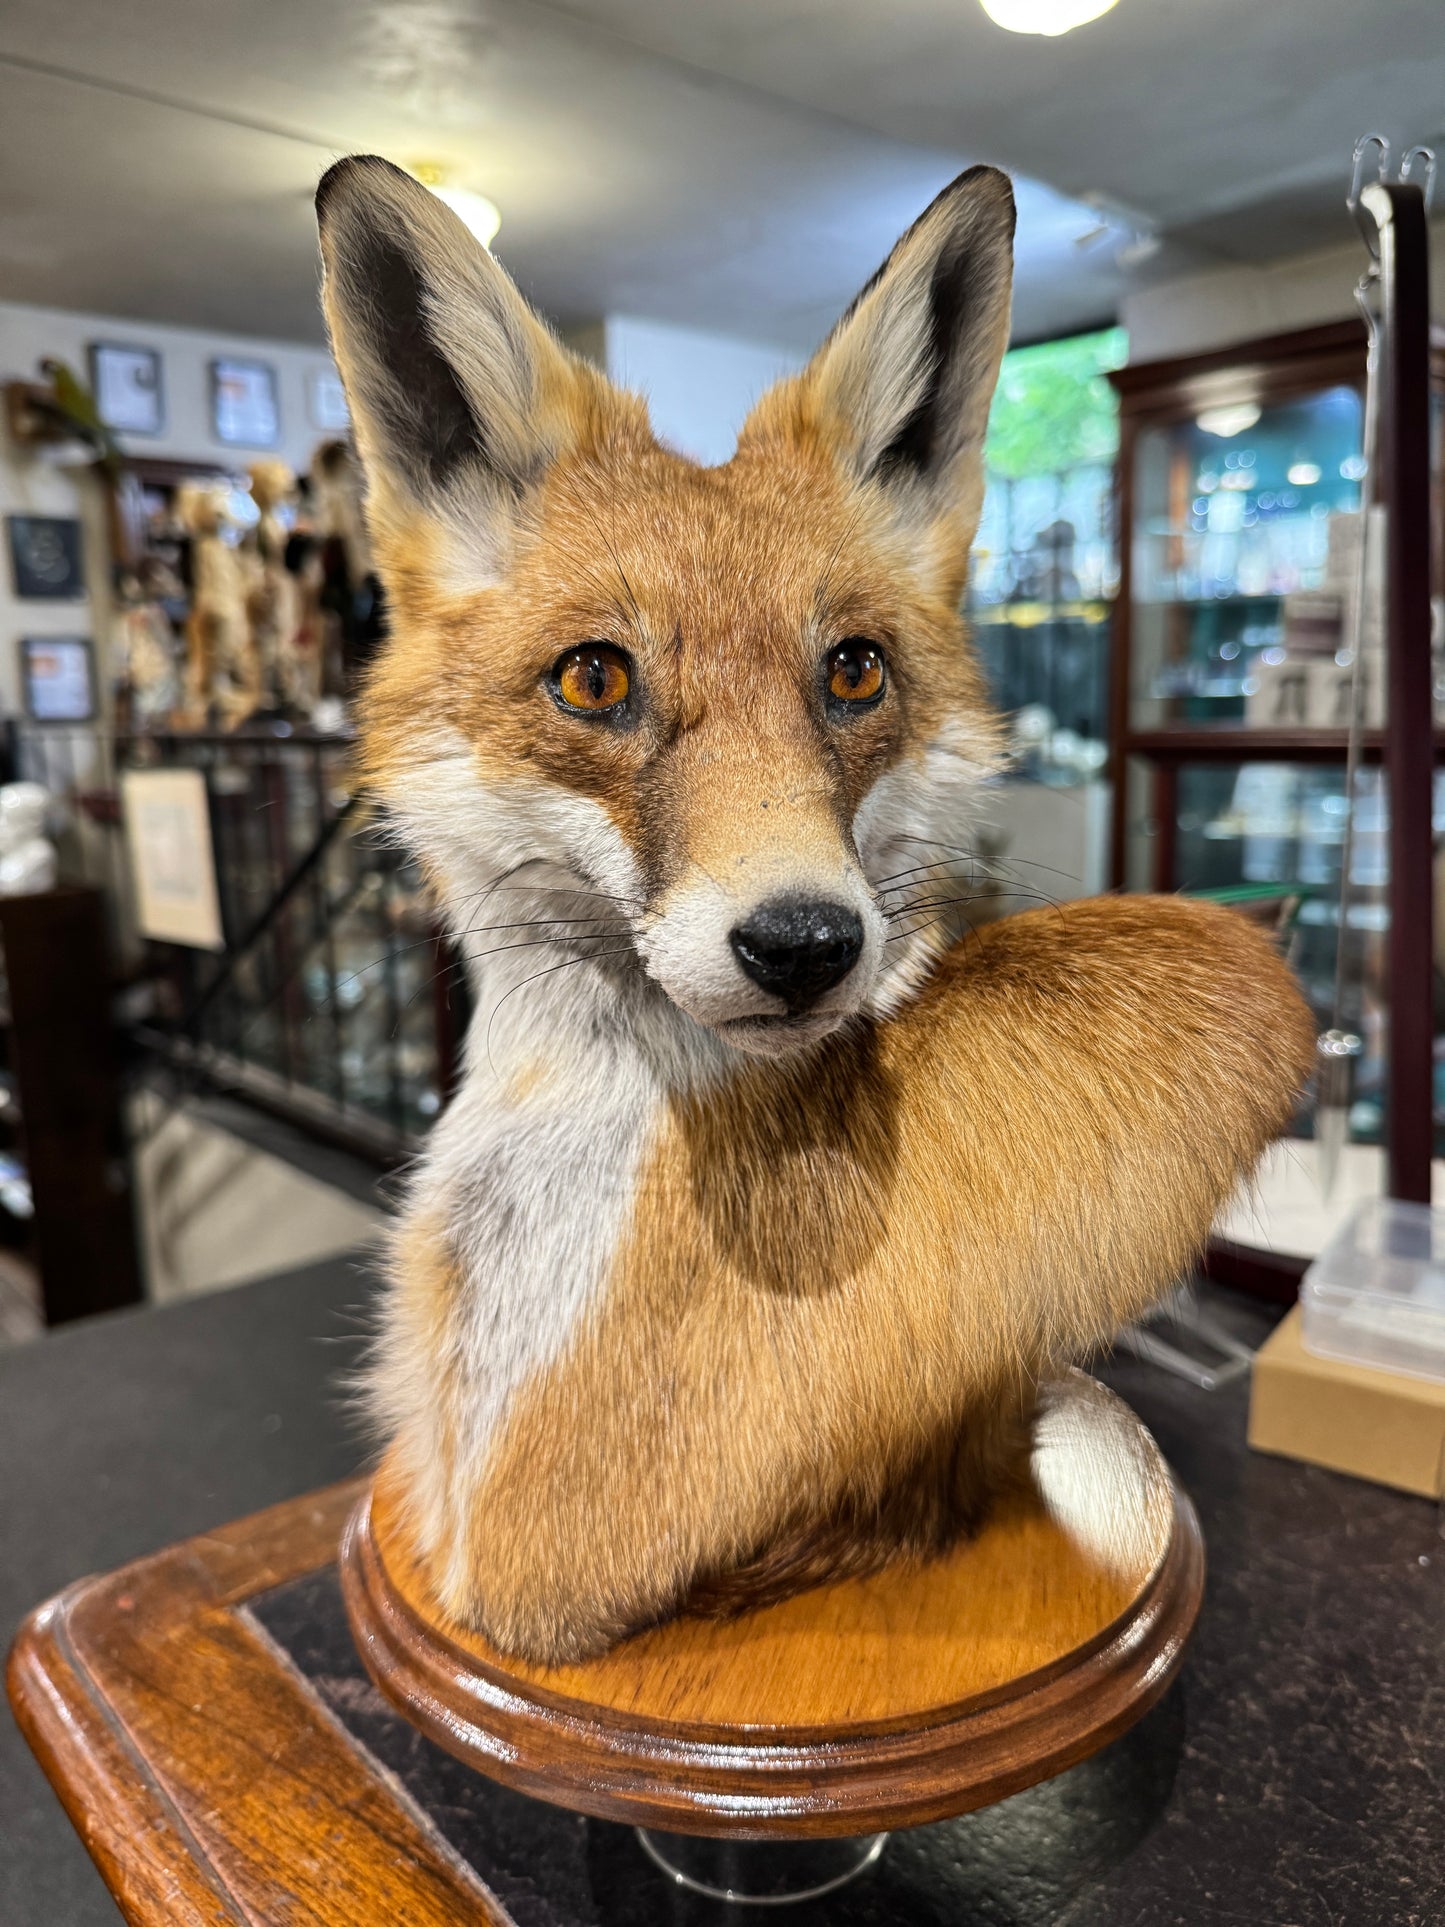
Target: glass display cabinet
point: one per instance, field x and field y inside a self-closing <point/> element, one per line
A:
<point x="1239" y="479"/>
<point x="1239" y="489"/>
<point x="1042" y="585"/>
<point x="1045" y="567"/>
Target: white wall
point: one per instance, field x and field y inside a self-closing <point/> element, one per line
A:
<point x="698" y="386"/>
<point x="1224" y="305"/>
<point x="30" y="486"/>
<point x="27" y="334"/>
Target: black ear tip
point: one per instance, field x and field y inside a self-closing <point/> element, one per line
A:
<point x="349" y="172"/>
<point x="989" y="186"/>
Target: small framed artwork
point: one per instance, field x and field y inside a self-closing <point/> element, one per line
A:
<point x="326" y="401"/>
<point x="57" y="678"/>
<point x="45" y="558"/>
<point x="127" y="386"/>
<point x="244" y="406"/>
<point x="172" y="856"/>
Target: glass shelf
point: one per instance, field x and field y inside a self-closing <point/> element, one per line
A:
<point x="1031" y="615"/>
<point x="1224" y="600"/>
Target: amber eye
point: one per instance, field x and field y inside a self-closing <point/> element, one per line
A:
<point x="594" y="677"/>
<point x="855" y="671"/>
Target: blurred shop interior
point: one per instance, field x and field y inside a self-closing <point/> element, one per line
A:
<point x="229" y="1016"/>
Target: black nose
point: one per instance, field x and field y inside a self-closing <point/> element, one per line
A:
<point x="798" y="947"/>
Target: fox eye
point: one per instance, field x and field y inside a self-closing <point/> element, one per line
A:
<point x="855" y="671"/>
<point x="592" y="678"/>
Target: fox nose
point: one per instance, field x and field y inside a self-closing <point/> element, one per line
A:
<point x="798" y="947"/>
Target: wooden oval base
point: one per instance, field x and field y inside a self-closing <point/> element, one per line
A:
<point x="925" y="1691"/>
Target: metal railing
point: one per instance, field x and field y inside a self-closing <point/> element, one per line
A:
<point x="335" y="1000"/>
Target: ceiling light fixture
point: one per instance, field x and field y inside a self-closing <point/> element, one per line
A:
<point x="1051" y="17"/>
<point x="474" y="211"/>
<point x="1228" y="421"/>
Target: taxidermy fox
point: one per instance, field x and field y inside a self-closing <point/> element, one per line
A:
<point x="764" y="1205"/>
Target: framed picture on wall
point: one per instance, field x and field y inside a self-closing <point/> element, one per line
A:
<point x="45" y="558"/>
<point x="57" y="679"/>
<point x="127" y="385"/>
<point x="326" y="401"/>
<point x="245" y="409"/>
<point x="172" y="856"/>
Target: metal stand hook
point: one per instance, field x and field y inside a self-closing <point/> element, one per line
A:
<point x="1357" y="182"/>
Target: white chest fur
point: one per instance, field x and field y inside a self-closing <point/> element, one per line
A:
<point x="529" y="1183"/>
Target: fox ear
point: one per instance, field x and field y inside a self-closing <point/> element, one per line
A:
<point x="900" y="390"/>
<point x="460" y="395"/>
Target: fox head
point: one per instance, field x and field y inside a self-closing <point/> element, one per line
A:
<point x="727" y="714"/>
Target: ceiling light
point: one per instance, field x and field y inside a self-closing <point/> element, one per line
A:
<point x="474" y="211"/>
<point x="1232" y="420"/>
<point x="1050" y="17"/>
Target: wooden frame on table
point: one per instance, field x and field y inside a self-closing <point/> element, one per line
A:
<point x="212" y="1781"/>
<point x="211" y="1785"/>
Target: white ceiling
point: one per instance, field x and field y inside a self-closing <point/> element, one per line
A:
<point x="740" y="165"/>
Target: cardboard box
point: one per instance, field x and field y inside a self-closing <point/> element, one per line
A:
<point x="1352" y="1418"/>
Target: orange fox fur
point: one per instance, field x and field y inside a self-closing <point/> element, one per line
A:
<point x="702" y="1296"/>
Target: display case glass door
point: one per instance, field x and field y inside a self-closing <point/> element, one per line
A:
<point x="1245" y="553"/>
<point x="1271" y="838"/>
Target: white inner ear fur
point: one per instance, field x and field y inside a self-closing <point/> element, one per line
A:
<point x="876" y="370"/>
<point x="885" y="361"/>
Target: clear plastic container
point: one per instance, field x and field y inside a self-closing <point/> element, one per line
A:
<point x="1376" y="1293"/>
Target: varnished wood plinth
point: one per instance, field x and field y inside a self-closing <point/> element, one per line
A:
<point x="925" y="1691"/>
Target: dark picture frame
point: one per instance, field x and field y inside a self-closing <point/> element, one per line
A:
<point x="47" y="562"/>
<point x="245" y="403"/>
<point x="128" y="384"/>
<point x="57" y="679"/>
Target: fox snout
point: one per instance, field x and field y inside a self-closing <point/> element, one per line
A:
<point x="798" y="947"/>
<point x="772" y="961"/>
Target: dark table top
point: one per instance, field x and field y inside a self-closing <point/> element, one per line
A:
<point x="1294" y="1778"/>
<point x="120" y="1434"/>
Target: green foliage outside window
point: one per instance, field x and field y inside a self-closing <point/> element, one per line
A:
<point x="1053" y="409"/>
